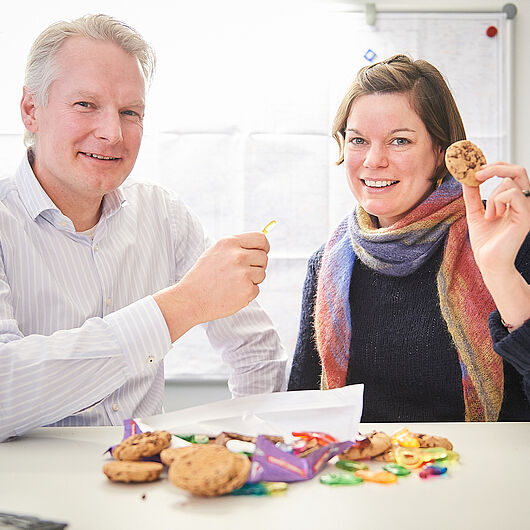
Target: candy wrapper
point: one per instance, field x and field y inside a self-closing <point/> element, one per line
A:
<point x="270" y="463"/>
<point x="130" y="427"/>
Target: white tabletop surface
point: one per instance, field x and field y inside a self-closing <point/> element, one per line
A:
<point x="56" y="473"/>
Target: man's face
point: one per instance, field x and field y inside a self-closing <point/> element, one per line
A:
<point x="89" y="133"/>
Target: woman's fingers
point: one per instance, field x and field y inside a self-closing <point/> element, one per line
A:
<point x="507" y="195"/>
<point x="473" y="202"/>
<point x="504" y="170"/>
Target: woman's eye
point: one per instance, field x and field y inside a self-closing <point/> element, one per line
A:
<point x="357" y="141"/>
<point x="83" y="104"/>
<point x="401" y="141"/>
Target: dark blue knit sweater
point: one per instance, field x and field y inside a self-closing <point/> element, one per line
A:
<point x="402" y="351"/>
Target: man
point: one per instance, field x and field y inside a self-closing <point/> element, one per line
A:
<point x="98" y="279"/>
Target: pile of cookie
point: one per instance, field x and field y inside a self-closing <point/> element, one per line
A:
<point x="205" y="469"/>
<point x="380" y="446"/>
<point x="129" y="465"/>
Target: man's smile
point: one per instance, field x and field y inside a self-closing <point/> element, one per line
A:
<point x="99" y="157"/>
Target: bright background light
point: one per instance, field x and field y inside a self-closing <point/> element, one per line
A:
<point x="239" y="116"/>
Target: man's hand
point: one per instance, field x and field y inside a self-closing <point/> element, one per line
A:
<point x="223" y="280"/>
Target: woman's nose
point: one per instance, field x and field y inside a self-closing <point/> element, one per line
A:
<point x="376" y="156"/>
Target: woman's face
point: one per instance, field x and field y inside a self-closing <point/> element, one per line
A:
<point x="389" y="156"/>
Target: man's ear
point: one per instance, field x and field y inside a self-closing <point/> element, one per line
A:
<point x="27" y="111"/>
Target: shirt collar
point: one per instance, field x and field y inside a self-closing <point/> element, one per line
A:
<point x="31" y="193"/>
<point x="36" y="201"/>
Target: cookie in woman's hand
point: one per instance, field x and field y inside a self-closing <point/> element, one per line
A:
<point x="463" y="159"/>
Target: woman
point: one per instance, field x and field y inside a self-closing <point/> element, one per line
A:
<point x="395" y="299"/>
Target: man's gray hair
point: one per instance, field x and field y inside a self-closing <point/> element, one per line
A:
<point x="41" y="69"/>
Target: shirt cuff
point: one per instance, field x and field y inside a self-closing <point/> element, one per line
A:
<point x="142" y="334"/>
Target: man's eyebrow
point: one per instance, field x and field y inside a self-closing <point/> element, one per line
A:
<point x="82" y="94"/>
<point x="139" y="103"/>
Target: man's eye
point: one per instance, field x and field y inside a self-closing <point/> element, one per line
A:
<point x="130" y="113"/>
<point x="83" y="104"/>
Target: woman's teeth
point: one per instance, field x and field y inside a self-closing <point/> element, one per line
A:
<point x="379" y="183"/>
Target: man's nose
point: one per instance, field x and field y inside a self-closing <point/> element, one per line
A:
<point x="376" y="157"/>
<point x="109" y="127"/>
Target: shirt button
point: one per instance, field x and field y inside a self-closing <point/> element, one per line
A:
<point x="108" y="301"/>
<point x="115" y="407"/>
<point x="150" y="359"/>
<point x="96" y="247"/>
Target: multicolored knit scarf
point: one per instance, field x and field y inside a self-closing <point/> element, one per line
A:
<point x="399" y="250"/>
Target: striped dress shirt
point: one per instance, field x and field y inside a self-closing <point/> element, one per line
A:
<point x="82" y="340"/>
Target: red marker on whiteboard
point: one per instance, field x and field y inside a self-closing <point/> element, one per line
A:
<point x="491" y="31"/>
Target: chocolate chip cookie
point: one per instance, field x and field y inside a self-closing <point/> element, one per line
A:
<point x="463" y="159"/>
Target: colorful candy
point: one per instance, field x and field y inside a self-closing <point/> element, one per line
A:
<point x="411" y="457"/>
<point x="201" y="439"/>
<point x="430" y="471"/>
<point x="195" y="438"/>
<point x="381" y="477"/>
<point x="261" y="488"/>
<point x="340" y="479"/>
<point x="398" y="470"/>
<point x="240" y="446"/>
<point x="350" y="465"/>
<point x="405" y="438"/>
<point x="321" y="437"/>
<point x="439" y="454"/>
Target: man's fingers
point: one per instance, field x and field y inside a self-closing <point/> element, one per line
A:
<point x="253" y="240"/>
<point x="257" y="275"/>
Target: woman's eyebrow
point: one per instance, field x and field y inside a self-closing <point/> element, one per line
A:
<point x="393" y="131"/>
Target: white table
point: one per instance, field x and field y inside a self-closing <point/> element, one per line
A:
<point x="56" y="473"/>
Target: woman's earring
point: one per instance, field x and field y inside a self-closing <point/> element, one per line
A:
<point x="439" y="182"/>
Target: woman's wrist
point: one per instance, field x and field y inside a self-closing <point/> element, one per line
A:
<point x="511" y="295"/>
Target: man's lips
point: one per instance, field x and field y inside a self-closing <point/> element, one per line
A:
<point x="99" y="157"/>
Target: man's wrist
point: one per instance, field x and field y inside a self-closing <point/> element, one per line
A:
<point x="178" y="310"/>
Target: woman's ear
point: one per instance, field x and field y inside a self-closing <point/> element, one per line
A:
<point x="27" y="111"/>
<point x="440" y="151"/>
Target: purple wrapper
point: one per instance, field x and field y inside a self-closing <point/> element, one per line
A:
<point x="130" y="427"/>
<point x="271" y="464"/>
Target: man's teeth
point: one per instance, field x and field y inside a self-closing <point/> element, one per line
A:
<point x="379" y="183"/>
<point x="101" y="157"/>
